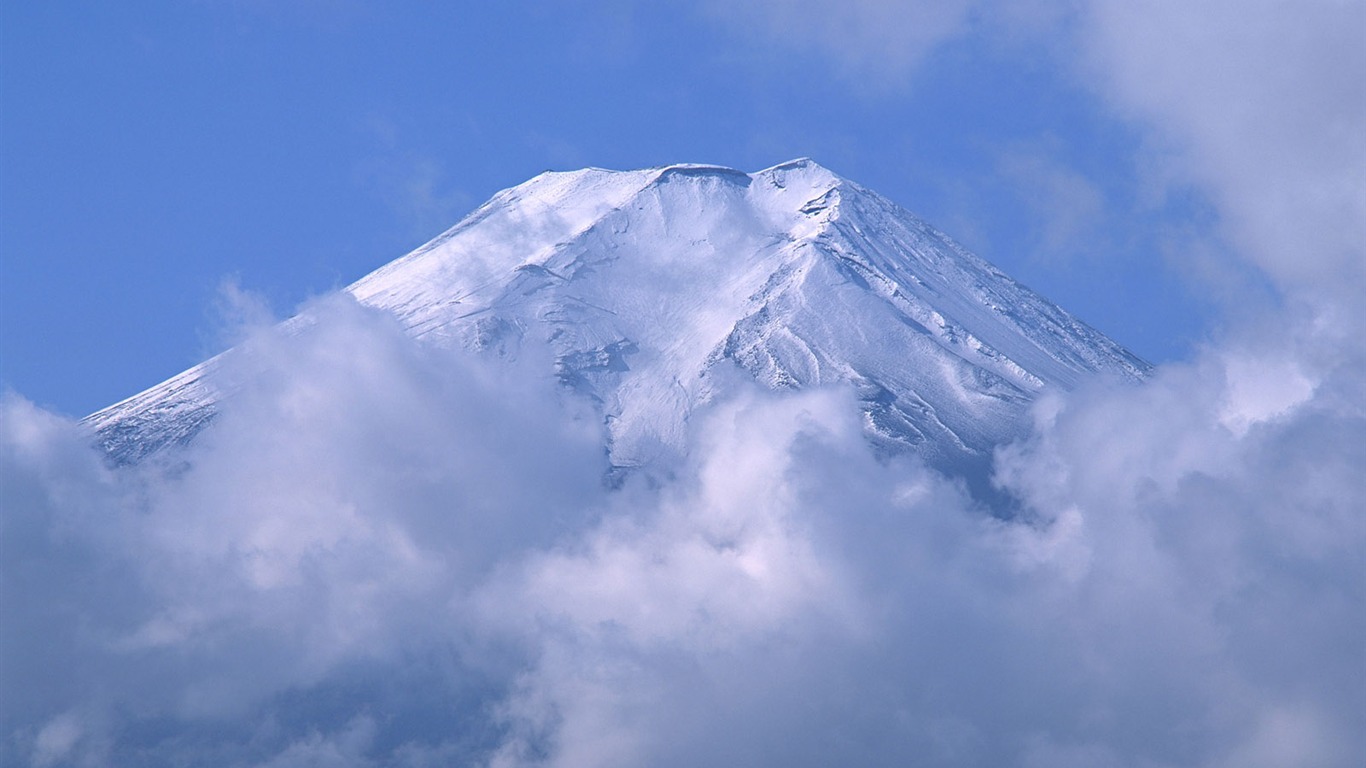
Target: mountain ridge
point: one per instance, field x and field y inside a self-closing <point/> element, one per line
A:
<point x="646" y="283"/>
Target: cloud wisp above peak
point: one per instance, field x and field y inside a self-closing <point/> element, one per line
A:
<point x="864" y="38"/>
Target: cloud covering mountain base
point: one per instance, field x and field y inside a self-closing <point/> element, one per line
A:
<point x="386" y="553"/>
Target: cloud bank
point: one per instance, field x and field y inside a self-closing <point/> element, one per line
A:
<point x="388" y="554"/>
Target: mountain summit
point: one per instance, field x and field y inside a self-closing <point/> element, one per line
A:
<point x="649" y="286"/>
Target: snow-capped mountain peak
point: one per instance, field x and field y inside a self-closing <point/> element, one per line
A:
<point x="646" y="284"/>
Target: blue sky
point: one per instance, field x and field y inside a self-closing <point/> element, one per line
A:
<point x="152" y="151"/>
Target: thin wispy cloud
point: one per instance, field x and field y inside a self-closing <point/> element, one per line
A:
<point x="876" y="41"/>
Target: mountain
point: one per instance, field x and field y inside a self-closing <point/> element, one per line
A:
<point x="653" y="287"/>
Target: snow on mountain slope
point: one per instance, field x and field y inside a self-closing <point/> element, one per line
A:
<point x="653" y="286"/>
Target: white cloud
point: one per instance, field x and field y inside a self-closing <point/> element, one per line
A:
<point x="878" y="41"/>
<point x="1261" y="104"/>
<point x="384" y="553"/>
<point x="1070" y="209"/>
<point x="56" y="740"/>
<point x="415" y="186"/>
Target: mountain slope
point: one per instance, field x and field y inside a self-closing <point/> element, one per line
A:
<point x="653" y="286"/>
